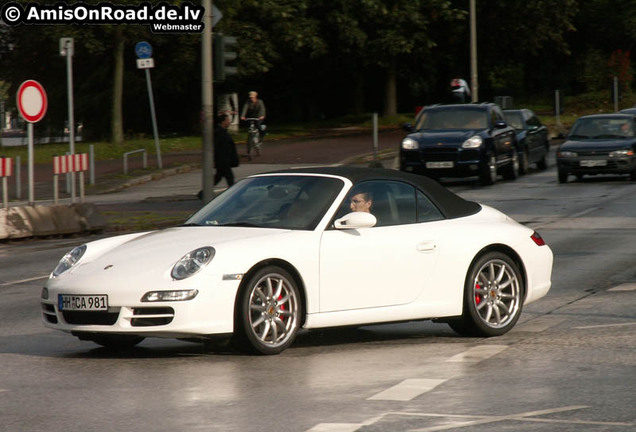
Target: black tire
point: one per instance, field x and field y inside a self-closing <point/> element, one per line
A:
<point x="268" y="312"/>
<point x="632" y="176"/>
<point x="512" y="170"/>
<point x="488" y="174"/>
<point x="493" y="297"/>
<point x="563" y="176"/>
<point x="115" y="342"/>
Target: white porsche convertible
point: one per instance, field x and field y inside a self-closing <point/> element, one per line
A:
<point x="304" y="248"/>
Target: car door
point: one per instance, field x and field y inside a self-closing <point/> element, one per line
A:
<point x="385" y="265"/>
<point x="503" y="137"/>
<point x="536" y="136"/>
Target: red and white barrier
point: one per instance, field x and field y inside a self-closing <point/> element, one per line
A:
<point x="6" y="167"/>
<point x="6" y="170"/>
<point x="69" y="164"/>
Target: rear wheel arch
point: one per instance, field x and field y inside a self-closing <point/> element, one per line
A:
<point x="492" y="306"/>
<point x="512" y="254"/>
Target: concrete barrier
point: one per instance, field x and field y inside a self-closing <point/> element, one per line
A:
<point x="42" y="221"/>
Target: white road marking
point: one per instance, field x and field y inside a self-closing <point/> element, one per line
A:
<point x="624" y="287"/>
<point x="336" y="427"/>
<point x="477" y="354"/>
<point x="493" y="419"/>
<point x="467" y="420"/>
<point x="24" y="280"/>
<point x="408" y="389"/>
<point x="605" y="325"/>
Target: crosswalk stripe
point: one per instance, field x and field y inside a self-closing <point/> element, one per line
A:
<point x="336" y="427"/>
<point x="477" y="354"/>
<point x="408" y="389"/>
<point x="624" y="287"/>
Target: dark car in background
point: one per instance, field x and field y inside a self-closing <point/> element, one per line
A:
<point x="631" y="111"/>
<point x="599" y="144"/>
<point x="532" y="138"/>
<point x="461" y="141"/>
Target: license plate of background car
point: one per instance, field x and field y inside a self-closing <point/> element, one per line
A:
<point x="593" y="163"/>
<point x="448" y="164"/>
<point x="68" y="302"/>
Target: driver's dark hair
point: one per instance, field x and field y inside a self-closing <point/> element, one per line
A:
<point x="220" y="118"/>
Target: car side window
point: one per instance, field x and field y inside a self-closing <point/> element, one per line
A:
<point x="391" y="202"/>
<point x="426" y="210"/>
<point x="497" y="115"/>
<point x="533" y="121"/>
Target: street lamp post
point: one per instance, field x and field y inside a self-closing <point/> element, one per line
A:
<point x="473" y="52"/>
<point x="66" y="50"/>
<point x="206" y="105"/>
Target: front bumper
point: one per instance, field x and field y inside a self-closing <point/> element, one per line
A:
<point x="597" y="165"/>
<point x="434" y="163"/>
<point x="210" y="312"/>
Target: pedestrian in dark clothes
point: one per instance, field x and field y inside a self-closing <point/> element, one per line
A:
<point x="225" y="155"/>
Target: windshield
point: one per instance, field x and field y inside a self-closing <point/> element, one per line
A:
<point x="284" y="201"/>
<point x="462" y="119"/>
<point x="603" y="128"/>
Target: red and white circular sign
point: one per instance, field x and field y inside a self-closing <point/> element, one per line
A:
<point x="32" y="101"/>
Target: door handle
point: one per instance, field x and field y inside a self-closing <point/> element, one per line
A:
<point x="426" y="246"/>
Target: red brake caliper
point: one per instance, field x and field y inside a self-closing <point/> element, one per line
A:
<point x="477" y="296"/>
<point x="282" y="307"/>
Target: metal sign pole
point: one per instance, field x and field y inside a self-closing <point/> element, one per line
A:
<point x="206" y="103"/>
<point x="66" y="50"/>
<point x="154" y="118"/>
<point x="30" y="148"/>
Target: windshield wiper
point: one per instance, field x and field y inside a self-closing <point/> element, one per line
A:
<point x="240" y="224"/>
<point x="189" y="224"/>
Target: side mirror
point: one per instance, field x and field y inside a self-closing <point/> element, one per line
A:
<point x="356" y="220"/>
<point x="407" y="127"/>
<point x="501" y="125"/>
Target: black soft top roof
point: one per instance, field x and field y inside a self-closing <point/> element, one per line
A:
<point x="450" y="204"/>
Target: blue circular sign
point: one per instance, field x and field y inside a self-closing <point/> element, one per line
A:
<point x="143" y="50"/>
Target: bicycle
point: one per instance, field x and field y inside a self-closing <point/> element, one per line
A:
<point x="254" y="139"/>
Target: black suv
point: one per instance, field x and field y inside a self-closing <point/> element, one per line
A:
<point x="461" y="141"/>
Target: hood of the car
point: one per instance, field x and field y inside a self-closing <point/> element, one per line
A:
<point x="602" y="145"/>
<point x="162" y="249"/>
<point x="443" y="137"/>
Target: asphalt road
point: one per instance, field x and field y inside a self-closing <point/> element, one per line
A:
<point x="569" y="364"/>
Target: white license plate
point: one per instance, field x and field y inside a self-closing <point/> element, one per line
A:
<point x="69" y="302"/>
<point x="593" y="163"/>
<point x="447" y="164"/>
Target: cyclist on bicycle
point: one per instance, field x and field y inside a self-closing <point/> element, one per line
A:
<point x="254" y="111"/>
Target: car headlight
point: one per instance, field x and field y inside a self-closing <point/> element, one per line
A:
<point x="69" y="260"/>
<point x="473" y="142"/>
<point x="622" y="153"/>
<point x="409" y="144"/>
<point x="567" y="154"/>
<point x="192" y="262"/>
